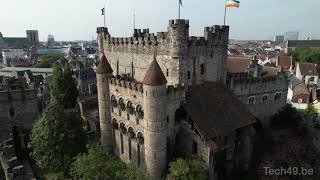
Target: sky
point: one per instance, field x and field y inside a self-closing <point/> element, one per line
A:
<point x="78" y="19"/>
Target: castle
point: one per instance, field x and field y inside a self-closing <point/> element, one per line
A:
<point x="166" y="94"/>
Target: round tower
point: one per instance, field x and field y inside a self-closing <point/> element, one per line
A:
<point x="104" y="72"/>
<point x="155" y="124"/>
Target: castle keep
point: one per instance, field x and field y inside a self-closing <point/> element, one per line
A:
<point x="163" y="95"/>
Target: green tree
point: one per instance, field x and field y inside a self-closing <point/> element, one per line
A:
<point x="56" y="137"/>
<point x="187" y="169"/>
<point x="63" y="87"/>
<point x="98" y="165"/>
<point x="48" y="60"/>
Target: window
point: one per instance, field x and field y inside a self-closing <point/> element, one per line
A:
<point x="121" y="145"/>
<point x="167" y="119"/>
<point x="189" y="75"/>
<point x="194" y="147"/>
<point x="11" y="111"/>
<point x="167" y="72"/>
<point x="202" y="69"/>
<point x="264" y="98"/>
<point x="277" y="96"/>
<point x="251" y="100"/>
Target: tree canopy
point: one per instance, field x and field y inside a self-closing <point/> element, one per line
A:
<point x="56" y="138"/>
<point x="63" y="87"/>
<point x="188" y="169"/>
<point x="48" y="60"/>
<point x="311" y="55"/>
<point x="98" y="165"/>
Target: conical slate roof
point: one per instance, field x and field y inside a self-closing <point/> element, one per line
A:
<point x="104" y="66"/>
<point x="154" y="75"/>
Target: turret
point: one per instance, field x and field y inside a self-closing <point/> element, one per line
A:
<point x="155" y="104"/>
<point x="104" y="72"/>
<point x="103" y="34"/>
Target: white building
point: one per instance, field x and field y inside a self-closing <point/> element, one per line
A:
<point x="9" y="54"/>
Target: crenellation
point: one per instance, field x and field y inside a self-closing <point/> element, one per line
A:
<point x="127" y="84"/>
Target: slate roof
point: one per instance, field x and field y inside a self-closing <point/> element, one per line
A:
<point x="308" y="69"/>
<point x="238" y="64"/>
<point x="154" y="75"/>
<point x="215" y="111"/>
<point x="293" y="80"/>
<point x="104" y="66"/>
<point x="85" y="74"/>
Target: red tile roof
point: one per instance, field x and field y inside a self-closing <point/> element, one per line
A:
<point x="308" y="69"/>
<point x="284" y="62"/>
<point x="215" y="111"/>
<point x="238" y="64"/>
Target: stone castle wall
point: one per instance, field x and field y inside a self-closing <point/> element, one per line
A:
<point x="24" y="105"/>
<point x="245" y="87"/>
<point x="177" y="53"/>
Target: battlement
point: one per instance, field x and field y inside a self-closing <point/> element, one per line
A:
<point x="17" y="95"/>
<point x="216" y="29"/>
<point x="12" y="167"/>
<point x="197" y="41"/>
<point x="140" y="32"/>
<point x="102" y="30"/>
<point x="127" y="84"/>
<point x="246" y="79"/>
<point x="176" y="90"/>
<point x="178" y="22"/>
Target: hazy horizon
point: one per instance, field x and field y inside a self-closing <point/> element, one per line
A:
<point x="75" y="20"/>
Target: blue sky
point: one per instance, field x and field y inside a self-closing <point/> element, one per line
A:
<point x="78" y="19"/>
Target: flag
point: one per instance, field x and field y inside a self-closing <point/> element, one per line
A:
<point x="232" y="3"/>
<point x="102" y="11"/>
<point x="180" y="2"/>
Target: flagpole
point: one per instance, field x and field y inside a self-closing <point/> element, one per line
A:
<point x="104" y="16"/>
<point x="179" y="8"/>
<point x="225" y="14"/>
<point x="134" y="19"/>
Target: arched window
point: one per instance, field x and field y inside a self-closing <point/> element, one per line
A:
<point x="115" y="124"/>
<point x="131" y="136"/>
<point x="130" y="107"/>
<point x="139" y="111"/>
<point x="277" y="96"/>
<point x="114" y="102"/>
<point x="122" y="104"/>
<point x="264" y="98"/>
<point x="123" y="128"/>
<point x="140" y="141"/>
<point x="251" y="100"/>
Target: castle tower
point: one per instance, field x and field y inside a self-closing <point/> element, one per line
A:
<point x="104" y="72"/>
<point x="216" y="65"/>
<point x="178" y="31"/>
<point x="155" y="104"/>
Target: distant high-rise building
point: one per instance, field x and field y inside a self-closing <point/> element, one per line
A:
<point x="33" y="36"/>
<point x="291" y="35"/>
<point x="279" y="38"/>
<point x="50" y="40"/>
